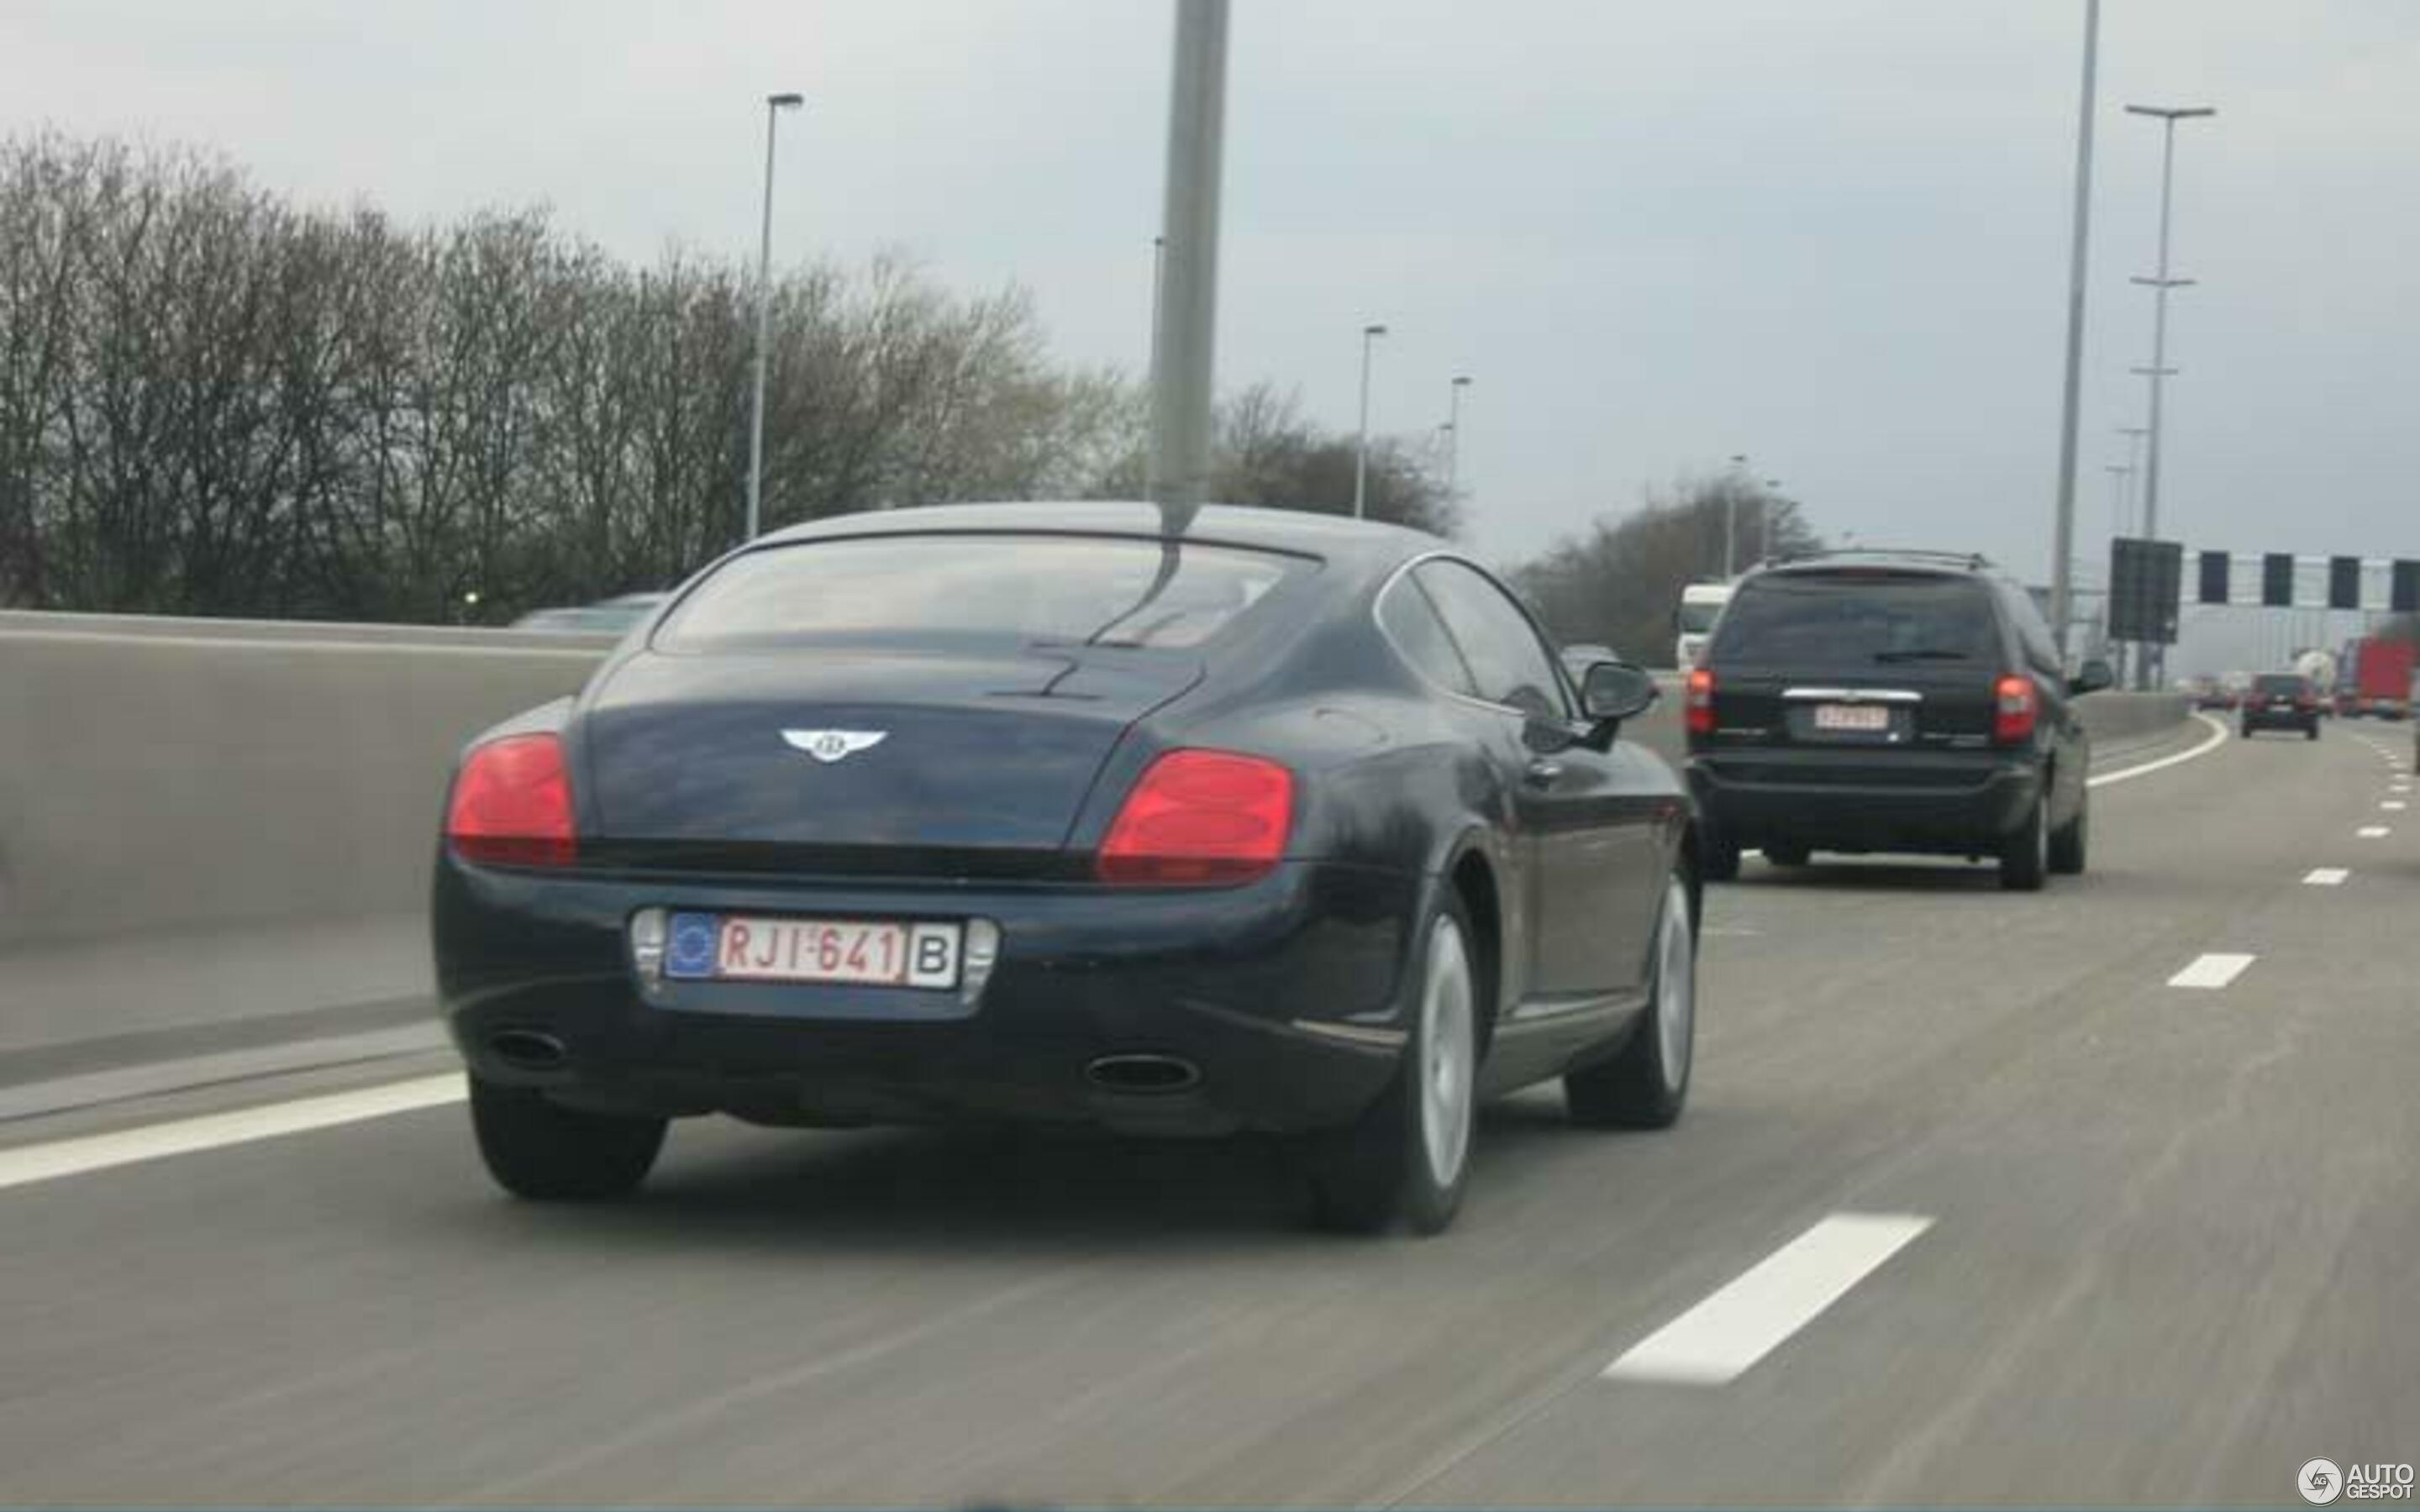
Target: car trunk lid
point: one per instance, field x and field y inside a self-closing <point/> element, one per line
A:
<point x="856" y="760"/>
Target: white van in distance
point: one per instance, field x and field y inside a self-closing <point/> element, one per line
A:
<point x="1701" y="604"/>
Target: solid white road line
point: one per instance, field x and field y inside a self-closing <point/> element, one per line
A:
<point x="2394" y="806"/>
<point x="29" y="1164"/>
<point x="2211" y="972"/>
<point x="2373" y="832"/>
<point x="1737" y="1326"/>
<point x="2127" y="774"/>
<point x="2326" y="876"/>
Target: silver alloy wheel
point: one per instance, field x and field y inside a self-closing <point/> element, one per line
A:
<point x="1447" y="1044"/>
<point x="1676" y="986"/>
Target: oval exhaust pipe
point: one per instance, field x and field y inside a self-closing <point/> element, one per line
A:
<point x="1142" y="1073"/>
<point x="529" y="1050"/>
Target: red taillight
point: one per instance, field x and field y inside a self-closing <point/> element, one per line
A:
<point x="1700" y="701"/>
<point x="512" y="805"/>
<point x="2015" y="707"/>
<point x="1200" y="818"/>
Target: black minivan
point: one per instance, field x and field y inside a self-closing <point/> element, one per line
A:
<point x="1890" y="701"/>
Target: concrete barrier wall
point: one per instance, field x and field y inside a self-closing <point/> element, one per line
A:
<point x="171" y="775"/>
<point x="187" y="774"/>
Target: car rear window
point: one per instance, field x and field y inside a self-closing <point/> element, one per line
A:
<point x="1859" y="619"/>
<point x="1697" y="619"/>
<point x="2274" y="683"/>
<point x="1031" y="588"/>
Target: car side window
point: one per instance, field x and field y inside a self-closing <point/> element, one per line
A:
<point x="2040" y="648"/>
<point x="1510" y="662"/>
<point x="1411" y="621"/>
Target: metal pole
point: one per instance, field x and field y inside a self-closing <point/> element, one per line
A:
<point x="2159" y="371"/>
<point x="2063" y="534"/>
<point x="1454" y="438"/>
<point x="1370" y="335"/>
<point x="1181" y="387"/>
<point x="1730" y="517"/>
<point x="2134" y="435"/>
<point x="774" y="105"/>
<point x="1158" y="282"/>
<point x="1764" y="519"/>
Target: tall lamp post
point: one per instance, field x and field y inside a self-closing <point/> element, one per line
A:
<point x="2062" y="587"/>
<point x="2159" y="284"/>
<point x="1454" y="436"/>
<point x="1764" y="519"/>
<point x="774" y="105"/>
<point x="1370" y="335"/>
<point x="1730" y="517"/>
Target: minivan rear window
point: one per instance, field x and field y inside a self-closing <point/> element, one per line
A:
<point x="1857" y="618"/>
<point x="2286" y="683"/>
<point x="1033" y="589"/>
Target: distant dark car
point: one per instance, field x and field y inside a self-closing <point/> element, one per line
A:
<point x="1255" y="821"/>
<point x="612" y="616"/>
<point x="2216" y="700"/>
<point x="2281" y="701"/>
<point x="1890" y="701"/>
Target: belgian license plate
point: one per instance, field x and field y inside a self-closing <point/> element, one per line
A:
<point x="849" y="951"/>
<point x="1862" y="718"/>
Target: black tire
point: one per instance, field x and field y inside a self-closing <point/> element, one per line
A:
<point x="1379" y="1168"/>
<point x="1638" y="1089"/>
<point x="2025" y="856"/>
<point x="2247" y="732"/>
<point x="1718" y="855"/>
<point x="546" y="1153"/>
<point x="2312" y="730"/>
<point x="2070" y="842"/>
<point x="1784" y="853"/>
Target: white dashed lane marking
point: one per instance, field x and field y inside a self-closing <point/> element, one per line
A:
<point x="2327" y="876"/>
<point x="1743" y="1322"/>
<point x="2211" y="972"/>
<point x="2373" y="832"/>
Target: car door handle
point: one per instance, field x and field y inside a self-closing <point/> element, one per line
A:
<point x="1543" y="772"/>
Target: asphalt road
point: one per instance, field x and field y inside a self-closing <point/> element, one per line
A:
<point x="2162" y="1247"/>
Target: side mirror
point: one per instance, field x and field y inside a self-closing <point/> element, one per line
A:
<point x="1614" y="691"/>
<point x="2093" y="676"/>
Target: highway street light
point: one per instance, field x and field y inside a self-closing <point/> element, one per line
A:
<point x="1370" y="335"/>
<point x="774" y="105"/>
<point x="1730" y="516"/>
<point x="2063" y="530"/>
<point x="1454" y="436"/>
<point x="2159" y="284"/>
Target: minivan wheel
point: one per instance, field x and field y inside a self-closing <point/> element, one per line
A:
<point x="2024" y="857"/>
<point x="547" y="1153"/>
<point x="1647" y="1085"/>
<point x="2070" y="841"/>
<point x="1718" y="855"/>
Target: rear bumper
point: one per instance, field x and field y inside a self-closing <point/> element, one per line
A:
<point x="1282" y="996"/>
<point x="2280" y="718"/>
<point x="1950" y="803"/>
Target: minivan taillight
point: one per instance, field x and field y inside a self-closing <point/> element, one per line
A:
<point x="1200" y="818"/>
<point x="2016" y="706"/>
<point x="1700" y="701"/>
<point x="512" y="805"/>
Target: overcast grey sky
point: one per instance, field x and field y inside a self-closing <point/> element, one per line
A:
<point x="1828" y="233"/>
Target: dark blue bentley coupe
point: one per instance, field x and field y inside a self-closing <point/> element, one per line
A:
<point x="1173" y="822"/>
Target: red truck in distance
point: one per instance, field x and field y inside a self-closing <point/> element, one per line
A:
<point x="2375" y="678"/>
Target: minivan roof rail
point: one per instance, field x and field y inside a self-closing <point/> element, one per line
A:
<point x="1963" y="559"/>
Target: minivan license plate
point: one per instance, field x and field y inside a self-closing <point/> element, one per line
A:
<point x="1863" y="718"/>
